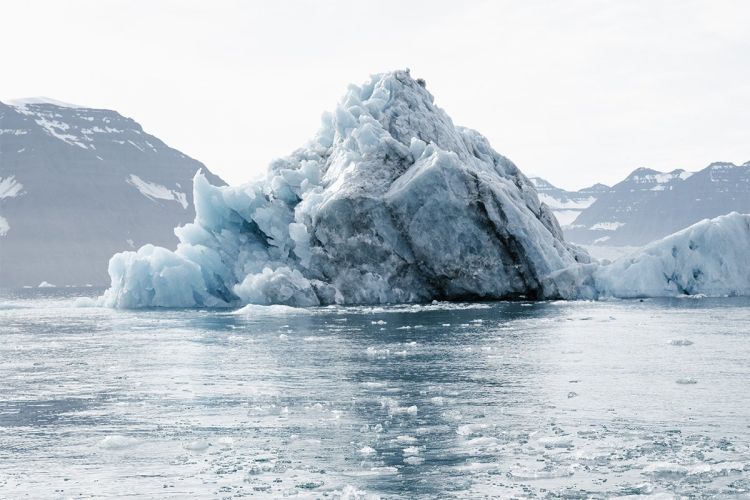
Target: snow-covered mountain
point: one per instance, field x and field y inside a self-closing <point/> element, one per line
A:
<point x="78" y="184"/>
<point x="567" y="205"/>
<point x="649" y="205"/>
<point x="390" y="202"/>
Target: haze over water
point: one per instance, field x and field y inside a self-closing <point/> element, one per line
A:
<point x="452" y="400"/>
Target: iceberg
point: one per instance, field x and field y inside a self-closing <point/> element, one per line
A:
<point x="709" y="258"/>
<point x="389" y="202"/>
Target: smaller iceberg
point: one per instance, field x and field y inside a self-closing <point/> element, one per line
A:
<point x="711" y="257"/>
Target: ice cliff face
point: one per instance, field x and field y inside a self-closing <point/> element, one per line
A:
<point x="390" y="202"/>
<point x="711" y="257"/>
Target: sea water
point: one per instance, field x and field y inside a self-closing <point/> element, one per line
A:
<point x="572" y="399"/>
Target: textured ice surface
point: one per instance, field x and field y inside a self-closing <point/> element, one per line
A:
<point x="390" y="202"/>
<point x="711" y="257"/>
<point x="102" y="403"/>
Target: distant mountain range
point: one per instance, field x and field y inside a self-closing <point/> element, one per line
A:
<point x="567" y="205"/>
<point x="79" y="184"/>
<point x="648" y="204"/>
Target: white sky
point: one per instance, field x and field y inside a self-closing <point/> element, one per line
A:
<point x="575" y="91"/>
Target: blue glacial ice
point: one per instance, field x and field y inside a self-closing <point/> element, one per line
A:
<point x="711" y="257"/>
<point x="391" y="203"/>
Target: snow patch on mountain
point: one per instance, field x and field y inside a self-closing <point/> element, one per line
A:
<point x="607" y="226"/>
<point x="13" y="131"/>
<point x="10" y="187"/>
<point x="4" y="226"/>
<point x="22" y="102"/>
<point x="649" y="176"/>
<point x="157" y="191"/>
<point x="54" y="127"/>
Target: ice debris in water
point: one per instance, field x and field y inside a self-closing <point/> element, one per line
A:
<point x="117" y="442"/>
<point x="687" y="381"/>
<point x="273" y="310"/>
<point x="681" y="342"/>
<point x="390" y="202"/>
<point x="197" y="446"/>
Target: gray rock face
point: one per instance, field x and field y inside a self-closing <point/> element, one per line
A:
<point x="650" y="205"/>
<point x="79" y="184"/>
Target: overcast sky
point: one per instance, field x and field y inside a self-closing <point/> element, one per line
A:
<point x="575" y="91"/>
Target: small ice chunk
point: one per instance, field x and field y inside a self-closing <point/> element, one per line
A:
<point x="406" y="439"/>
<point x="197" y="445"/>
<point x="226" y="441"/>
<point x="687" y="381"/>
<point x="117" y="442"/>
<point x="556" y="442"/>
<point x="665" y="470"/>
<point x="469" y="429"/>
<point x="86" y="302"/>
<point x="681" y="342"/>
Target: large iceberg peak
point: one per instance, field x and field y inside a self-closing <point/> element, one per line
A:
<point x="390" y="202"/>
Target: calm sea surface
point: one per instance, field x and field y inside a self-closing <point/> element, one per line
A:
<point x="571" y="399"/>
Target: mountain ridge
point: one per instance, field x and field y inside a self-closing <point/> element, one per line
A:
<point x="649" y="204"/>
<point x="76" y="185"/>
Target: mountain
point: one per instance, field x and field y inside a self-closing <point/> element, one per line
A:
<point x="649" y="205"/>
<point x="567" y="205"/>
<point x="389" y="202"/>
<point x="78" y="184"/>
